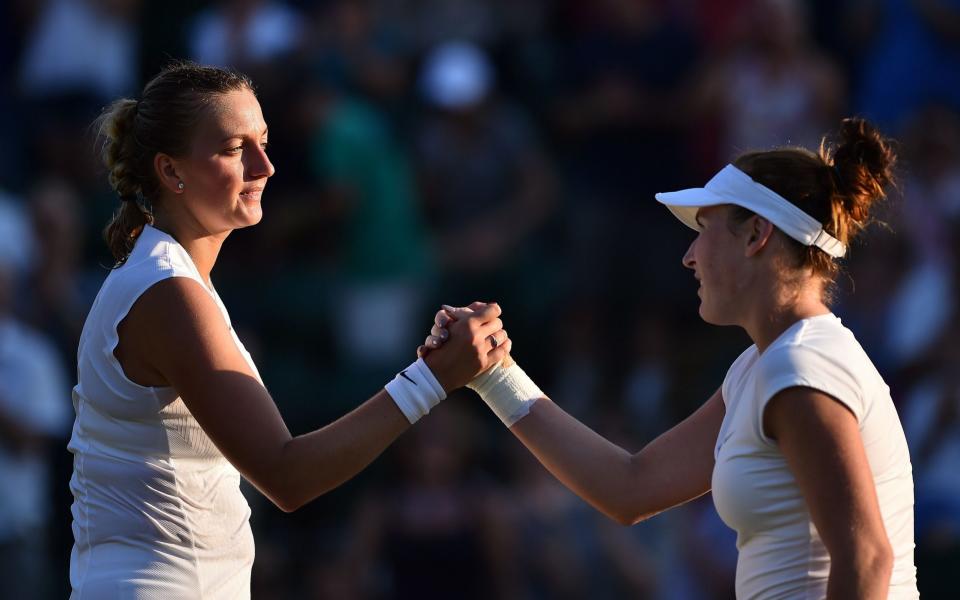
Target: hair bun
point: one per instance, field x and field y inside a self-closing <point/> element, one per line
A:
<point x="864" y="163"/>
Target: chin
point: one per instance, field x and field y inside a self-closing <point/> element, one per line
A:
<point x="251" y="215"/>
<point x="708" y="315"/>
<point x="705" y="315"/>
<point x="713" y="318"/>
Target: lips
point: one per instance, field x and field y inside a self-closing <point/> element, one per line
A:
<point x="252" y="193"/>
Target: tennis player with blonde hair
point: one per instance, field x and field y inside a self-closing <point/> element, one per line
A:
<point x="170" y="408"/>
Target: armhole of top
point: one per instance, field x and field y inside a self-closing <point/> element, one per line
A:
<point x="764" y="403"/>
<point x="114" y="334"/>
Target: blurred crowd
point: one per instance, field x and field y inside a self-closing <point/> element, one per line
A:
<point x="433" y="151"/>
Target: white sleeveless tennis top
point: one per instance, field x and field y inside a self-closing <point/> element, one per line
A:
<point x="157" y="511"/>
<point x="781" y="553"/>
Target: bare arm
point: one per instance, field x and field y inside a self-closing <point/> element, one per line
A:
<point x="821" y="441"/>
<point x="193" y="351"/>
<point x="672" y="469"/>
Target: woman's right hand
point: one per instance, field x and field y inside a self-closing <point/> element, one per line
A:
<point x="473" y="341"/>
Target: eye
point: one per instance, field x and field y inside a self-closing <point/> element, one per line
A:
<point x="234" y="150"/>
<point x="264" y="144"/>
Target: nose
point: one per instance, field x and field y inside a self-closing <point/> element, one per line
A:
<point x="260" y="165"/>
<point x="688" y="260"/>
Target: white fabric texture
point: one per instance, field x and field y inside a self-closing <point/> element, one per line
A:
<point x="415" y="390"/>
<point x="756" y="494"/>
<point x="157" y="511"/>
<point x="733" y="186"/>
<point x="509" y="392"/>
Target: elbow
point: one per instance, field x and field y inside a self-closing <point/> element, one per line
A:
<point x="872" y="561"/>
<point x="882" y="560"/>
<point x="286" y="497"/>
<point x="626" y="516"/>
<point x="625" y="520"/>
<point x="876" y="559"/>
<point x="285" y="500"/>
<point x="287" y="505"/>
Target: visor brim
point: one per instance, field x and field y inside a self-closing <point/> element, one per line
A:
<point x="684" y="204"/>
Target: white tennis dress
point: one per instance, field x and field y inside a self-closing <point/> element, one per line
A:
<point x="157" y="511"/>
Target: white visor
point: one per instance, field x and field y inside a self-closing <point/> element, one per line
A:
<point x="733" y="186"/>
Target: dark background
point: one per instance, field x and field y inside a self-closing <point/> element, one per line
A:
<point x="434" y="151"/>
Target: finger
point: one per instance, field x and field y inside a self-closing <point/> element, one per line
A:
<point x="507" y="362"/>
<point x="422" y="351"/>
<point x="475" y="306"/>
<point x="497" y="339"/>
<point x="490" y="327"/>
<point x="439" y="333"/>
<point x="432" y="342"/>
<point x="443" y="318"/>
<point x="488" y="312"/>
<point x="500" y="354"/>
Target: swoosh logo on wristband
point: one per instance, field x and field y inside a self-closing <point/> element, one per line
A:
<point x="403" y="374"/>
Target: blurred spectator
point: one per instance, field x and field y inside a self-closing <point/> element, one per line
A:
<point x="648" y="381"/>
<point x="383" y="267"/>
<point x="441" y="531"/>
<point x="34" y="415"/>
<point x="774" y="88"/>
<point x="79" y="55"/>
<point x="58" y="297"/>
<point x="577" y="359"/>
<point x="435" y="22"/>
<point x="245" y="34"/>
<point x="487" y="185"/>
<point x="706" y="560"/>
<point x="17" y="246"/>
<point x="907" y="299"/>
<point x="82" y="46"/>
<point x="621" y="138"/>
<point x="912" y="61"/>
<point x="362" y="52"/>
<point x="569" y="550"/>
<point x="932" y="423"/>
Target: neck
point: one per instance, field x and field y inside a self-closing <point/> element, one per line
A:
<point x="768" y="320"/>
<point x="202" y="246"/>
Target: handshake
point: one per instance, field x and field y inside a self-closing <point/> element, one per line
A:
<point x="467" y="346"/>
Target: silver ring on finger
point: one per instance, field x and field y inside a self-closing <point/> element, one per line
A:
<point x="493" y="341"/>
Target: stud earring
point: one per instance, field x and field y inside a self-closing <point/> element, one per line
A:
<point x="180" y="186"/>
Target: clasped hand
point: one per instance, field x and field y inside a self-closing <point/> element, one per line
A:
<point x="464" y="342"/>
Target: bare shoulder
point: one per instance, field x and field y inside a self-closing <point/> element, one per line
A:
<point x="174" y="326"/>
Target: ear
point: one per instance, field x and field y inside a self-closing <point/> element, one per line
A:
<point x="166" y="168"/>
<point x="759" y="232"/>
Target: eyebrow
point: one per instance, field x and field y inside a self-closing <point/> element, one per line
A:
<point x="266" y="130"/>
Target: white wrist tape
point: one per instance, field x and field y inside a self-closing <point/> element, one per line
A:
<point x="415" y="390"/>
<point x="509" y="392"/>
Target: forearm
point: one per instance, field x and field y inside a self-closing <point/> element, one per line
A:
<point x="317" y="462"/>
<point x="674" y="468"/>
<point x="595" y="469"/>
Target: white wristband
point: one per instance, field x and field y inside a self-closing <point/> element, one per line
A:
<point x="509" y="392"/>
<point x="415" y="390"/>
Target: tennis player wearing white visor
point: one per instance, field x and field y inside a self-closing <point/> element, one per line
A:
<point x="801" y="445"/>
